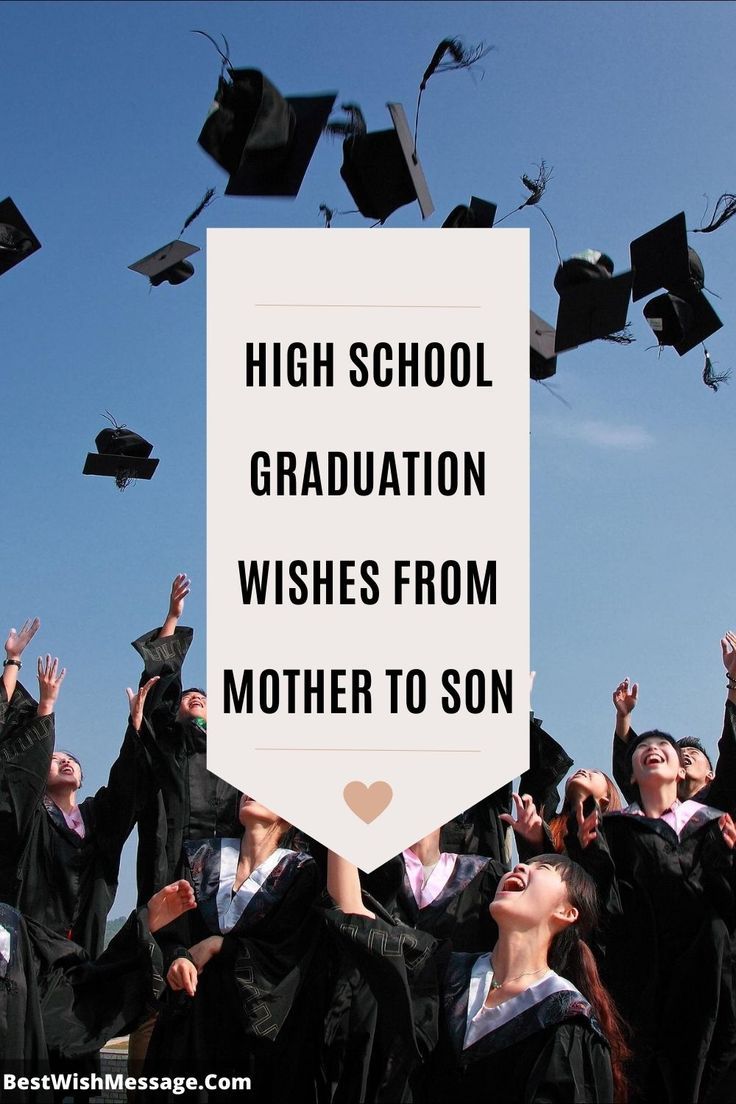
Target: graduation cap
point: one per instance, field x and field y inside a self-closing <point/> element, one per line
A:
<point x="662" y="258"/>
<point x="542" y="360"/>
<point x="382" y="172"/>
<point x="121" y="454"/>
<point x="17" y="240"/>
<point x="263" y="140"/>
<point x="479" y="213"/>
<point x="593" y="302"/>
<point x="681" y="323"/>
<point x="167" y="264"/>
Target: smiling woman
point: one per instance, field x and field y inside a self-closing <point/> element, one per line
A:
<point x="531" y="1018"/>
<point x="664" y="870"/>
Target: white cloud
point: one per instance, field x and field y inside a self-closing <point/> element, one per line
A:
<point x="607" y="435"/>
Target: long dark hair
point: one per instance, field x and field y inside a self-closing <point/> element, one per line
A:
<point x="571" y="957"/>
<point x="558" y="823"/>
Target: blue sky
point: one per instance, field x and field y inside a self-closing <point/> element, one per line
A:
<point x="632" y="480"/>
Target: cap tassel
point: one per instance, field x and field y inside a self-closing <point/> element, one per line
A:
<point x="226" y="56"/>
<point x="621" y="337"/>
<point x="710" y="378"/>
<point x="352" y="127"/>
<point x="209" y="195"/>
<point x="724" y="209"/>
<point x="461" y="57"/>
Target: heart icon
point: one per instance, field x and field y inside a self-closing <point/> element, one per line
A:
<point x="367" y="802"/>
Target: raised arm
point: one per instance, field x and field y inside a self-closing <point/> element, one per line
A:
<point x="14" y="648"/>
<point x="625" y="697"/>
<point x="722" y="791"/>
<point x="343" y="886"/>
<point x="163" y="652"/>
<point x="25" y="756"/>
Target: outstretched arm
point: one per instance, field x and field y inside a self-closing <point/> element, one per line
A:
<point x="14" y="648"/>
<point x="722" y="791"/>
<point x="343" y="886"/>
<point x="50" y="679"/>
<point x="163" y="652"/>
<point x="179" y="590"/>
<point x="625" y="697"/>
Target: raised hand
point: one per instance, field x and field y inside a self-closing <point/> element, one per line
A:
<point x="625" y="697"/>
<point x="17" y="641"/>
<point x="587" y="823"/>
<point x="169" y="903"/>
<point x="182" y="975"/>
<point x="528" y="823"/>
<point x="179" y="590"/>
<point x="728" y="650"/>
<point x="50" y="679"/>
<point x="136" y="702"/>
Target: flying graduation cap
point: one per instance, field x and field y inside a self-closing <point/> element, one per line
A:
<point x="167" y="264"/>
<point x="121" y="454"/>
<point x="661" y="258"/>
<point x="593" y="302"/>
<point x="263" y="140"/>
<point x="479" y="213"/>
<point x="381" y="168"/>
<point x="17" y="240"/>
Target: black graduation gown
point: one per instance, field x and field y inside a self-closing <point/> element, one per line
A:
<point x="46" y="871"/>
<point x="719" y="794"/>
<point x="255" y="1012"/>
<point x="381" y="1022"/>
<point x="57" y="1004"/>
<point x="479" y="831"/>
<point x="668" y="935"/>
<point x="551" y="1053"/>
<point x="188" y="801"/>
<point x="22" y="1039"/>
<point x="459" y="913"/>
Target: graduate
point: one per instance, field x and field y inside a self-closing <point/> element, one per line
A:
<point x="716" y="788"/>
<point x="535" y="835"/>
<point x="188" y="802"/>
<point x="57" y="1003"/>
<point x="440" y="892"/>
<point x="482" y="829"/>
<point x="59" y="859"/>
<point x="240" y="1001"/>
<point x="664" y="870"/>
<point x="527" y="1022"/>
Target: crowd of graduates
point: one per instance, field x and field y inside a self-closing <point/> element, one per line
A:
<point x="597" y="968"/>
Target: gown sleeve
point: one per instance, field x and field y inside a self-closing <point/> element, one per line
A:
<point x="117" y="804"/>
<point x="722" y="791"/>
<point x="620" y="774"/>
<point x="26" y="747"/>
<point x="164" y="657"/>
<point x="548" y="765"/>
<point x="573" y="1068"/>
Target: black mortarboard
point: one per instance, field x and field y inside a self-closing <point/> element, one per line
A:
<point x="382" y="172"/>
<point x="593" y="302"/>
<point x="662" y="258"/>
<point x="264" y="140"/>
<point x="122" y="454"/>
<point x="681" y="323"/>
<point x="542" y="362"/>
<point x="479" y="213"/>
<point x="167" y="264"/>
<point x="17" y="240"/>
